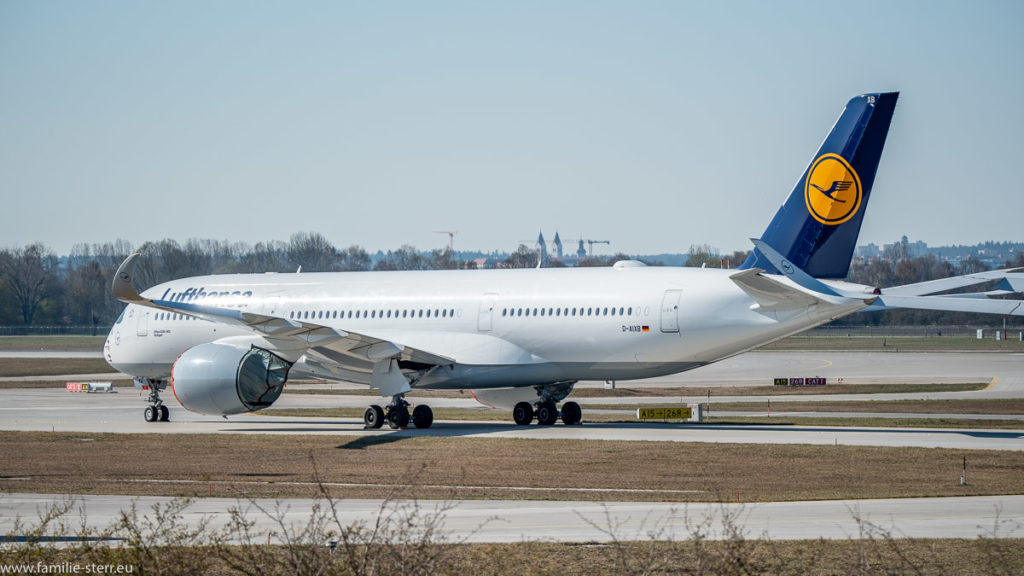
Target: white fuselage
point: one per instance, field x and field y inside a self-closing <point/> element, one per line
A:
<point x="501" y="327"/>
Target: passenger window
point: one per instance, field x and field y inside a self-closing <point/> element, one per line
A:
<point x="558" y="311"/>
<point x="541" y="311"/>
<point x="630" y="310"/>
<point x="605" y="311"/>
<point x="373" y="314"/>
<point x="519" y="312"/>
<point x="590" y="311"/>
<point x="444" y="313"/>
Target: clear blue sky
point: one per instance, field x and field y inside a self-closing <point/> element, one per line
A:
<point x="654" y="125"/>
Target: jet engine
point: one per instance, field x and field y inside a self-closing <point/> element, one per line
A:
<point x="221" y="379"/>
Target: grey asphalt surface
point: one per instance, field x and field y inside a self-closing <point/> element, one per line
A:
<point x="550" y="521"/>
<point x="54" y="409"/>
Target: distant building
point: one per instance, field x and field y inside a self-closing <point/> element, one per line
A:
<point x="542" y="249"/>
<point x="558" y="246"/>
<point x="869" y="251"/>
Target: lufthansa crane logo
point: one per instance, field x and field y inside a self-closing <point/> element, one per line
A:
<point x="832" y="190"/>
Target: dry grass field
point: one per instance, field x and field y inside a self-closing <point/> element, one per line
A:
<point x="453" y="467"/>
<point x="52" y="343"/>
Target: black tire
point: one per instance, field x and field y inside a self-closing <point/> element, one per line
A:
<point x="165" y="414"/>
<point x="572" y="414"/>
<point x="422" y="416"/>
<point x="523" y="413"/>
<point x="151" y="414"/>
<point x="398" y="417"/>
<point x="373" y="418"/>
<point x="547" y="414"/>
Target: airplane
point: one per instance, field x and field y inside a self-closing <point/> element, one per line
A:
<point x="520" y="339"/>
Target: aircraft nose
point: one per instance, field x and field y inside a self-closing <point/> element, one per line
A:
<point x="110" y="346"/>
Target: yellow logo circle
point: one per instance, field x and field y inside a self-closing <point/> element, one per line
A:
<point x="832" y="190"/>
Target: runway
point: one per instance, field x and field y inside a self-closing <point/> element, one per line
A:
<point x="54" y="409"/>
<point x="568" y="521"/>
<point x="47" y="410"/>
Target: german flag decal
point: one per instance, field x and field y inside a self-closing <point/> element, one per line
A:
<point x="645" y="328"/>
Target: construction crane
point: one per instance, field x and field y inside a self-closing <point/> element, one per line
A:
<point x="590" y="245"/>
<point x="451" y="238"/>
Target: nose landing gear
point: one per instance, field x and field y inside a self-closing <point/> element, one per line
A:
<point x="156" y="411"/>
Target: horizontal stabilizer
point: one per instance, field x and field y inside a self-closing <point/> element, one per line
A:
<point x="772" y="295"/>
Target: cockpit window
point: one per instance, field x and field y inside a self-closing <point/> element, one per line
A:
<point x="121" y="317"/>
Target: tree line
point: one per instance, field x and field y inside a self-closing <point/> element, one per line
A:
<point x="38" y="288"/>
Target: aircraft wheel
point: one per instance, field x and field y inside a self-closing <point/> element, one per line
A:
<point x="373" y="417"/>
<point x="422" y="416"/>
<point x="151" y="414"/>
<point x="572" y="414"/>
<point x="523" y="414"/>
<point x="398" y="417"/>
<point x="547" y="414"/>
<point x="165" y="414"/>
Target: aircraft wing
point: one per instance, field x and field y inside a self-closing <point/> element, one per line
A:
<point x="341" y="352"/>
<point x="1009" y="281"/>
<point x="958" y="303"/>
<point x="923" y="295"/>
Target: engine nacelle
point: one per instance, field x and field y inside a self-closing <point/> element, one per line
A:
<point x="222" y="379"/>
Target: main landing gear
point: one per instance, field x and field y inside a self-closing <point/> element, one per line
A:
<point x="397" y="415"/>
<point x="156" y="411"/>
<point x="547" y="413"/>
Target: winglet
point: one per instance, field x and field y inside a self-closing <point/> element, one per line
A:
<point x="122" y="284"/>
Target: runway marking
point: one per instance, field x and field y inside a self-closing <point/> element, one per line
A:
<point x="991" y="384"/>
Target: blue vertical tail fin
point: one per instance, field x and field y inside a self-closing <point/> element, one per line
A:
<point x="817" y="228"/>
